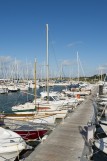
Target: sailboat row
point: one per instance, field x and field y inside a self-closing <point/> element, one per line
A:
<point x="50" y="103"/>
<point x="32" y="120"/>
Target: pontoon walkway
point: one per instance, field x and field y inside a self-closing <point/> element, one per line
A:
<point x="66" y="142"/>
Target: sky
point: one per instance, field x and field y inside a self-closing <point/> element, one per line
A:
<point x="75" y="26"/>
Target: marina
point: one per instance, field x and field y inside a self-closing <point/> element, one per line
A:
<point x="53" y="80"/>
<point x="77" y="131"/>
<point x="36" y="119"/>
<point x="68" y="137"/>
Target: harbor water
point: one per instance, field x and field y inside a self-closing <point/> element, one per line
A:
<point x="14" y="98"/>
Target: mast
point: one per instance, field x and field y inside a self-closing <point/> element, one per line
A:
<point x="78" y="66"/>
<point x="47" y="63"/>
<point x="27" y="70"/>
<point x="35" y="82"/>
<point x="61" y="72"/>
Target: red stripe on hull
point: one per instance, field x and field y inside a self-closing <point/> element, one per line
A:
<point x="31" y="135"/>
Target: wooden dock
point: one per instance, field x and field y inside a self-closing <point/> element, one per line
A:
<point x="66" y="142"/>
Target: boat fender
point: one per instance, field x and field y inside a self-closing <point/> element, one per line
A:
<point x="44" y="138"/>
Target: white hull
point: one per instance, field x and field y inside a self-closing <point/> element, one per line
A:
<point x="11" y="156"/>
<point x="44" y="106"/>
<point x="37" y="118"/>
<point x="101" y="144"/>
<point x="3" y="90"/>
<point x="8" y="156"/>
<point x="58" y="113"/>
<point x="11" y="144"/>
<point x="26" y="106"/>
<point x="45" y="120"/>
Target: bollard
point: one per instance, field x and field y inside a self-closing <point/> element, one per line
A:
<point x="90" y="131"/>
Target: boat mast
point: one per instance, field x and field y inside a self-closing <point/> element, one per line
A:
<point x="47" y="63"/>
<point x="35" y="82"/>
<point x="78" y="65"/>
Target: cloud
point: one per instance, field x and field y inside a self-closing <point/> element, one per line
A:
<point x="74" y="43"/>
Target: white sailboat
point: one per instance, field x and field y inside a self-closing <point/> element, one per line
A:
<point x="42" y="106"/>
<point x="3" y="89"/>
<point x="28" y="112"/>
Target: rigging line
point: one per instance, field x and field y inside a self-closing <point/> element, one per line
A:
<point x="81" y="67"/>
<point x="50" y="36"/>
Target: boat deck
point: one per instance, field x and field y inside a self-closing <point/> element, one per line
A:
<point x="66" y="142"/>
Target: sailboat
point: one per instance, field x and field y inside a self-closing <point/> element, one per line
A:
<point x="29" y="113"/>
<point x="43" y="107"/>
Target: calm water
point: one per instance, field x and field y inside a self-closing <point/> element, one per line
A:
<point x="14" y="98"/>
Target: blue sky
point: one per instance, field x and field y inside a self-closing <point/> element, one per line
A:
<point x="74" y="26"/>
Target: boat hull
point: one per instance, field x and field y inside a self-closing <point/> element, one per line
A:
<point x="31" y="135"/>
<point x="11" y="144"/>
<point x="11" y="156"/>
<point x="101" y="144"/>
<point x="34" y="118"/>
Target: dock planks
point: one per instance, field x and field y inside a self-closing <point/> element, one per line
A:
<point x="66" y="142"/>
